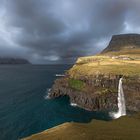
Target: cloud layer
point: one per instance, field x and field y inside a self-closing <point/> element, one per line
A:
<point x="59" y="31"/>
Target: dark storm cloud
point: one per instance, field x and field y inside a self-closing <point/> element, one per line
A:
<point x="59" y="31"/>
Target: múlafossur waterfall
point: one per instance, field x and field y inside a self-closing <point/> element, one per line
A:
<point x="121" y="99"/>
<point x="121" y="102"/>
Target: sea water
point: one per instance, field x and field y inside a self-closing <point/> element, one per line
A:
<point x="24" y="110"/>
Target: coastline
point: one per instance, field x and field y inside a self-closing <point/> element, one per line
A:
<point x="123" y="128"/>
<point x="92" y="84"/>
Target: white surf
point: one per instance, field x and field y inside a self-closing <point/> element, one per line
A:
<point x="48" y="94"/>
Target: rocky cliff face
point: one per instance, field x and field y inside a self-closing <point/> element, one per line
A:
<point x="100" y="92"/>
<point x="92" y="83"/>
<point x="124" y="41"/>
<point x="96" y="94"/>
<point x="131" y="87"/>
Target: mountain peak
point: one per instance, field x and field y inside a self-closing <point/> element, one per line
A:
<point x="123" y="41"/>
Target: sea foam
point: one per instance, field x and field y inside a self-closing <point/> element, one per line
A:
<point x="47" y="96"/>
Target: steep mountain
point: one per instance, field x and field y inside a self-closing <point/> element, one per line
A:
<point x="123" y="42"/>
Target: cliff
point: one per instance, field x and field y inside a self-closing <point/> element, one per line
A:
<point x="13" y="61"/>
<point x="92" y="83"/>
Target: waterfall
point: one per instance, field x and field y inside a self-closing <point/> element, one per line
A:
<point x="121" y="102"/>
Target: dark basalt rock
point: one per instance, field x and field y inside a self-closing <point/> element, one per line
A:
<point x="131" y="86"/>
<point x="95" y="99"/>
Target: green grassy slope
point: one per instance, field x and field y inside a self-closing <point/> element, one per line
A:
<point x="124" y="62"/>
<point x="124" y="128"/>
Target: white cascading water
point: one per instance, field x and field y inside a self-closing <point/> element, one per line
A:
<point x="121" y="102"/>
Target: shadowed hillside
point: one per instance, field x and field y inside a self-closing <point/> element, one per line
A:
<point x="125" y="128"/>
<point x="123" y="42"/>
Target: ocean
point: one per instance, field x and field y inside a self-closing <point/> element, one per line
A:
<point x="24" y="110"/>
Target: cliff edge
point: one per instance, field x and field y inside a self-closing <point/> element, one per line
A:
<point x="124" y="128"/>
<point x="92" y="83"/>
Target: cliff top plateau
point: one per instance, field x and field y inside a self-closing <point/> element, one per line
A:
<point x="122" y="56"/>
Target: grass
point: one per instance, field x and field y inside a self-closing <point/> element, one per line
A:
<point x="124" y="128"/>
<point x="105" y="64"/>
<point x="76" y="84"/>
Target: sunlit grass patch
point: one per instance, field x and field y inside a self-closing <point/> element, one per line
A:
<point x="76" y="84"/>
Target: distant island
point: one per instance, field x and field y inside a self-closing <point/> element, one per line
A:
<point x="13" y="61"/>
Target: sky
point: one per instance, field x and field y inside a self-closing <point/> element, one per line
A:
<point x="60" y="31"/>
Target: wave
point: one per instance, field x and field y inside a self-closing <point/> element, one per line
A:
<point x="46" y="97"/>
<point x="73" y="104"/>
<point x="59" y="75"/>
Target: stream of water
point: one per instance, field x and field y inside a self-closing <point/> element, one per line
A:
<point x="121" y="102"/>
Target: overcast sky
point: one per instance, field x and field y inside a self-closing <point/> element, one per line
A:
<point x="59" y="31"/>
